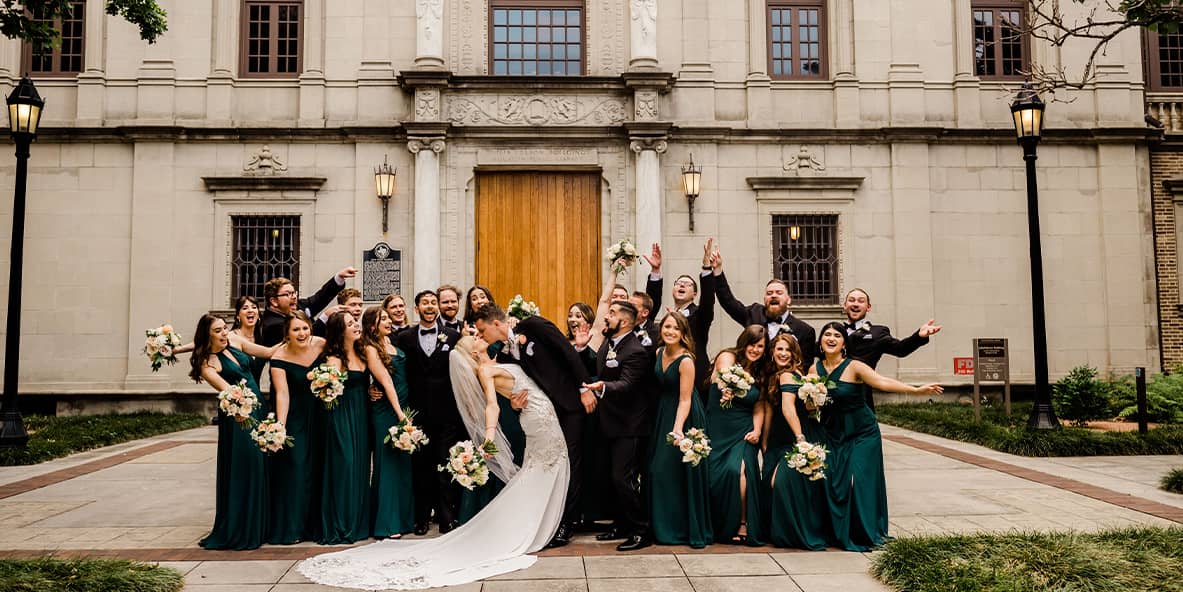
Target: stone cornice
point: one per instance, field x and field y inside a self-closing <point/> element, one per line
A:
<point x="263" y="183"/>
<point x="132" y="134"/>
<point x="525" y="84"/>
<point x="819" y="182"/>
<point x="652" y="79"/>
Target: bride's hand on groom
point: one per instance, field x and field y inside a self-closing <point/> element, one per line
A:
<point x="588" y="395"/>
<point x="519" y="400"/>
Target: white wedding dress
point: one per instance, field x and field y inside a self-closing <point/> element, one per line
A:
<point x="521" y="519"/>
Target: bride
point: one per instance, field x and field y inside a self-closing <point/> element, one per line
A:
<point x="520" y="520"/>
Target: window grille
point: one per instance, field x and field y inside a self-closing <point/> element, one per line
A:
<point x="264" y="247"/>
<point x="805" y="256"/>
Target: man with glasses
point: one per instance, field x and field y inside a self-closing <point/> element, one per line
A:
<point x="684" y="292"/>
<point x="282" y="300"/>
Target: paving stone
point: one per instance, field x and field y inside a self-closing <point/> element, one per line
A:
<point x="781" y="583"/>
<point x="826" y="562"/>
<point x="737" y="564"/>
<point x="182" y="566"/>
<point x="640" y="585"/>
<point x="227" y="588"/>
<point x="548" y="568"/>
<point x="850" y="582"/>
<point x="633" y="566"/>
<point x="238" y="572"/>
<point x="579" y="585"/>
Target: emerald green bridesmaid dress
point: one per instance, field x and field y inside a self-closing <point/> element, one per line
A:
<point x="730" y="457"/>
<point x="798" y="511"/>
<point x="294" y="474"/>
<point x="855" y="485"/>
<point x="474" y="501"/>
<point x="391" y="497"/>
<point x="240" y="498"/>
<point x="345" y="485"/>
<point x="680" y="513"/>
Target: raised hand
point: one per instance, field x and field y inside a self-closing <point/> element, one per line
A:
<point x="929" y="329"/>
<point x="347" y="273"/>
<point x="929" y="389"/>
<point x="582" y="335"/>
<point x="654" y="258"/>
<point x="716" y="262"/>
<point x="707" y="250"/>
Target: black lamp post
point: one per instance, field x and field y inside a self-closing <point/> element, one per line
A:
<point x="1028" y="114"/>
<point x="384" y="186"/>
<point x="24" y="113"/>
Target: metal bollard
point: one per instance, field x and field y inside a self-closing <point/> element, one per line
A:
<point x="1140" y="382"/>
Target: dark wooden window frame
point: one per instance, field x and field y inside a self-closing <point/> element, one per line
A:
<point x="1024" y="44"/>
<point x="538" y="5"/>
<point x="56" y="52"/>
<point x="1153" y="68"/>
<point x="244" y="40"/>
<point x="254" y="234"/>
<point x="826" y="270"/>
<point x="823" y="38"/>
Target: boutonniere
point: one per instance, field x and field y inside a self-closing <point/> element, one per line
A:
<point x="445" y="348"/>
<point x="611" y="354"/>
<point x="530" y="349"/>
<point x="442" y="337"/>
<point x="521" y="340"/>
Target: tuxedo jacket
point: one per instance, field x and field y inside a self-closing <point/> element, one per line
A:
<point x="624" y="406"/>
<point x="549" y="359"/>
<point x="428" y="376"/>
<point x="753" y="314"/>
<point x="701" y="317"/>
<point x="272" y="321"/>
<point x="868" y="346"/>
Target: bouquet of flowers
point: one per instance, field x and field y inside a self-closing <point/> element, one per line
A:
<point x="327" y="384"/>
<point x="466" y="463"/>
<point x="622" y="250"/>
<point x="238" y="402"/>
<point x="159" y="346"/>
<point x="271" y="436"/>
<point x="406" y="436"/>
<point x="808" y="459"/>
<point x="519" y="308"/>
<point x="815" y="392"/>
<point x="694" y="447"/>
<point x="734" y="380"/>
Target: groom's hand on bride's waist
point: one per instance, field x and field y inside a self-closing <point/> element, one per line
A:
<point x="519" y="400"/>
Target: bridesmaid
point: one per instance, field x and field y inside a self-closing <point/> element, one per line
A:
<point x="476" y="297"/>
<point x="596" y="498"/>
<point x="796" y="512"/>
<point x="392" y="505"/>
<point x="856" y="490"/>
<point x="246" y="326"/>
<point x="295" y="471"/>
<point x="735" y="434"/>
<point x="345" y="486"/>
<point x="678" y="492"/>
<point x="240" y="506"/>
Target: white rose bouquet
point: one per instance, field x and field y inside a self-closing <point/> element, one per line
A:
<point x="808" y="459"/>
<point x="624" y="249"/>
<point x="271" y="436"/>
<point x="238" y="402"/>
<point x="733" y="380"/>
<point x="406" y="436"/>
<point x="694" y="446"/>
<point x="466" y="463"/>
<point x="815" y="392"/>
<point x="160" y="345"/>
<point x="520" y="309"/>
<point x="327" y="384"/>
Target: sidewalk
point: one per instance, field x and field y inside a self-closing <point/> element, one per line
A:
<point x="152" y="500"/>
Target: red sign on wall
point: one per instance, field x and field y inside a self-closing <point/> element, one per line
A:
<point x="963" y="366"/>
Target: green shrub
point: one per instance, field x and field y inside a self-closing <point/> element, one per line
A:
<point x="53" y="437"/>
<point x="1079" y="396"/>
<point x="1173" y="481"/>
<point x="87" y="575"/>
<point x="1164" y="397"/>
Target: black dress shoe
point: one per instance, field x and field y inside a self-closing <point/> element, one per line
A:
<point x="634" y="542"/>
<point x="449" y="527"/>
<point x="421" y="528"/>
<point x="611" y="535"/>
<point x="562" y="537"/>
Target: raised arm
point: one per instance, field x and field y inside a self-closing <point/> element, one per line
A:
<point x="654" y="284"/>
<point x="251" y="348"/>
<point x="487" y="375"/>
<point x="904" y="347"/>
<point x="864" y="373"/>
<point x="279" y="383"/>
<point x="602" y="305"/>
<point x="211" y="377"/>
<point x="685" y="392"/>
<point x="382" y="376"/>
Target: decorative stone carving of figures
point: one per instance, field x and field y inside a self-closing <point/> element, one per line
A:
<point x="264" y="163"/>
<point x="804" y="163"/>
<point x="429" y="39"/>
<point x="644" y="32"/>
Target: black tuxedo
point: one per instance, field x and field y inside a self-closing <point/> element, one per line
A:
<point x="753" y="314"/>
<point x="649" y="335"/>
<point x="700" y="318"/>
<point x="623" y="412"/>
<point x="550" y="360"/>
<point x="869" y="345"/>
<point x="272" y="321"/>
<point x="456" y="325"/>
<point x="430" y="384"/>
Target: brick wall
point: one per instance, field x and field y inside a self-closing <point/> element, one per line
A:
<point x="1166" y="162"/>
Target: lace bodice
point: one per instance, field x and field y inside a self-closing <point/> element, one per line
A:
<point x="544" y="438"/>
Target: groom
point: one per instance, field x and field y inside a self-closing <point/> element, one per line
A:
<point x="546" y="356"/>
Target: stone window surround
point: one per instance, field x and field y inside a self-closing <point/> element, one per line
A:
<point x="57" y="72"/>
<point x="823" y="38"/>
<point x="996" y="6"/>
<point x="1152" y="66"/>
<point x="580" y="5"/>
<point x="243" y="32"/>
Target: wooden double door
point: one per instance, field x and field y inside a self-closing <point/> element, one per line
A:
<point x="538" y="235"/>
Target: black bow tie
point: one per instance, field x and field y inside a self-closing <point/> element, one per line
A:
<point x="427" y="331"/>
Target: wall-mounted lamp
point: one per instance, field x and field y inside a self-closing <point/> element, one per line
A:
<point x="691" y="184"/>
<point x="794" y="232"/>
<point x="384" y="184"/>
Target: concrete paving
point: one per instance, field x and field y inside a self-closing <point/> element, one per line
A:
<point x="153" y="500"/>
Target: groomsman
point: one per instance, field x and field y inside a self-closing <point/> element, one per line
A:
<point x="427" y="346"/>
<point x="684" y="292"/>
<point x="280" y="294"/>
<point x="450" y="307"/>
<point x="546" y="356"/>
<point x="774" y="314"/>
<point x="647" y="331"/>
<point x="619" y="293"/>
<point x="348" y="300"/>
<point x="867" y="343"/>
<point x="623" y="404"/>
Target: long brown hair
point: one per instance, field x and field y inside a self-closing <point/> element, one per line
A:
<point x="370" y="319"/>
<point x="686" y="340"/>
<point x="201" y="346"/>
<point x="772" y="390"/>
<point x="751" y="335"/>
<point x="335" y="340"/>
<point x="469" y="311"/>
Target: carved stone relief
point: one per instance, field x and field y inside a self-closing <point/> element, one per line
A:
<point x="434" y="144"/>
<point x="264" y="163"/>
<point x="608" y="37"/>
<point x="534" y="110"/>
<point x="645" y="105"/>
<point x="427" y="104"/>
<point x="639" y="145"/>
<point x="804" y="163"/>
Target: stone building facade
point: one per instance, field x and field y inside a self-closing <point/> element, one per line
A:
<point x="879" y="131"/>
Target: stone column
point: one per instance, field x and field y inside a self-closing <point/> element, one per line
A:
<point x="847" y="106"/>
<point x="429" y="34"/>
<point x="153" y="255"/>
<point x="312" y="79"/>
<point x="758" y="84"/>
<point x="427" y="211"/>
<point x="643" y="14"/>
<point x="966" y="86"/>
<point x="695" y="98"/>
<point x="648" y="190"/>
<point x="92" y="79"/>
<point x="219" y="89"/>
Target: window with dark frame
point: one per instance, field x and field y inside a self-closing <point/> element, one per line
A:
<point x="263" y="247"/>
<point x="536" y="37"/>
<point x="1000" y="48"/>
<point x="271" y="39"/>
<point x="66" y="58"/>
<point x="797" y="39"/>
<point x="805" y="256"/>
<point x="1164" y="60"/>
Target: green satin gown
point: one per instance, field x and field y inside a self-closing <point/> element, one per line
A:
<point x="474" y="501"/>
<point x="294" y="472"/>
<point x="345" y="486"/>
<point x="855" y="485"/>
<point x="392" y="499"/>
<point x="240" y="493"/>
<point x="679" y="494"/>
<point x="730" y="457"/>
<point x="797" y="508"/>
